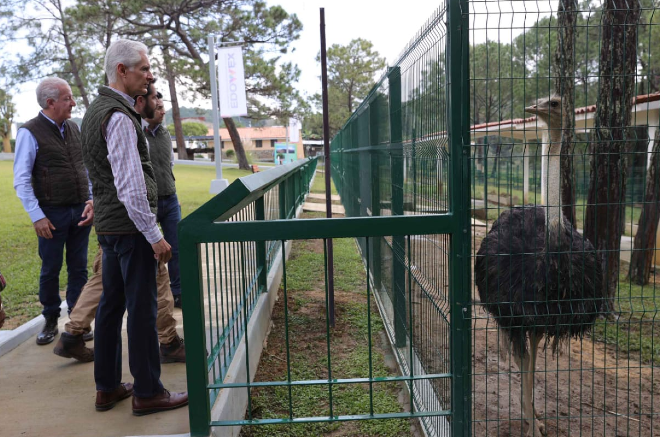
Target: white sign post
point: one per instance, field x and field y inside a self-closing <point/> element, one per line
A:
<point x="231" y="94"/>
<point x="218" y="184"/>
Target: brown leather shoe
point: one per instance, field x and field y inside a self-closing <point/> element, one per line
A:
<point x="161" y="402"/>
<point x="174" y="352"/>
<point x="105" y="400"/>
<point x="73" y="346"/>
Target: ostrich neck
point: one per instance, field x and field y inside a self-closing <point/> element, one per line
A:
<point x="552" y="180"/>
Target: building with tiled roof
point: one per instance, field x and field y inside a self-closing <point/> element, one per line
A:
<point x="259" y="141"/>
<point x="645" y="111"/>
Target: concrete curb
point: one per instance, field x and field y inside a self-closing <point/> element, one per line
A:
<point x="9" y="340"/>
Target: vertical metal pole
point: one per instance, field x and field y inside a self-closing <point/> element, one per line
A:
<point x="459" y="278"/>
<point x="374" y="127"/>
<point x="326" y="151"/>
<point x="398" y="241"/>
<point x="218" y="184"/>
<point x="262" y="266"/>
<point x="282" y="199"/>
<point x="197" y="371"/>
<point x="214" y="101"/>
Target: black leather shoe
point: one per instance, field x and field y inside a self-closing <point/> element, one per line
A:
<point x="47" y="335"/>
<point x="177" y="301"/>
<point x="88" y="336"/>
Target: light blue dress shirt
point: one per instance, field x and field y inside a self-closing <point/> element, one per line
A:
<point x="26" y="153"/>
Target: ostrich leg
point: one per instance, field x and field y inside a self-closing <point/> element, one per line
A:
<point x="526" y="364"/>
<point x="534" y="341"/>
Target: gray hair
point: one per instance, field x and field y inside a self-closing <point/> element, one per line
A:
<point x="49" y="88"/>
<point x="122" y="51"/>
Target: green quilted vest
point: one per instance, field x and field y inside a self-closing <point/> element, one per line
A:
<point x="160" y="150"/>
<point x="110" y="215"/>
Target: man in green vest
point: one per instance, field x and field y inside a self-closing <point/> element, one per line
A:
<point x="172" y="348"/>
<point x="169" y="210"/>
<point x="116" y="155"/>
<point x="51" y="182"/>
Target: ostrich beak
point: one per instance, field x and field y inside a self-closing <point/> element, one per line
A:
<point x="532" y="109"/>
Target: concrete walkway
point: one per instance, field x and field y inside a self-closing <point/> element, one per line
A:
<point x="44" y="395"/>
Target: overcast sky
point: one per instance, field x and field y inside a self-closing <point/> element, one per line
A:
<point x="387" y="26"/>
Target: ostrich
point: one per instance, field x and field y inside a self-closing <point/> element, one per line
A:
<point x="536" y="275"/>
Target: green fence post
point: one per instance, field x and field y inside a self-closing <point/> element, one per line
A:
<point x="398" y="241"/>
<point x="374" y="114"/>
<point x="262" y="267"/>
<point x="282" y="199"/>
<point x="459" y="278"/>
<point x="199" y="411"/>
<point x="413" y="160"/>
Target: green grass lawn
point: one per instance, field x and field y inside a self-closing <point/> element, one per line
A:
<point x="318" y="185"/>
<point x="19" y="259"/>
<point x="635" y="332"/>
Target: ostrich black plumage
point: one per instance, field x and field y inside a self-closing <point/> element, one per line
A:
<point x="536" y="275"/>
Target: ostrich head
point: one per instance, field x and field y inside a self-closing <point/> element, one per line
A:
<point x="549" y="110"/>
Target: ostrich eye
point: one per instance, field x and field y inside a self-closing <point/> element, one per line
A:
<point x="554" y="104"/>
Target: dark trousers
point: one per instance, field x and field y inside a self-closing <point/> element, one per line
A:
<point x="129" y="283"/>
<point x="67" y="234"/>
<point x="169" y="216"/>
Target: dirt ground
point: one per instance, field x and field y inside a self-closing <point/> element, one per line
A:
<point x="588" y="390"/>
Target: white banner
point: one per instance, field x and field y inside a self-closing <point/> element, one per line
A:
<point x="231" y="82"/>
<point x="294" y="130"/>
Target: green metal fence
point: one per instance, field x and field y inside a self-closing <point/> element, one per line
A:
<point x="402" y="154"/>
<point x="224" y="278"/>
<point x="444" y="135"/>
<point x="582" y="290"/>
<point x="601" y="382"/>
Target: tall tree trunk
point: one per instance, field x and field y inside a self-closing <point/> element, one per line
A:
<point x="647" y="227"/>
<point x="176" y="114"/>
<point x="565" y="87"/>
<point x="605" y="207"/>
<point x="238" y="144"/>
<point x="6" y="144"/>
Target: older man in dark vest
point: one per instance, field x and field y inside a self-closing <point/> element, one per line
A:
<point x="51" y="182"/>
<point x="126" y="197"/>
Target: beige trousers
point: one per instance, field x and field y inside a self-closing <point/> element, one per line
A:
<point x="80" y="319"/>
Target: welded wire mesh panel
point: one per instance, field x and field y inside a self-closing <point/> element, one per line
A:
<point x="372" y="169"/>
<point x="564" y="108"/>
<point x="272" y="211"/>
<point x="229" y="276"/>
<point x="315" y="373"/>
<point x="392" y="159"/>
